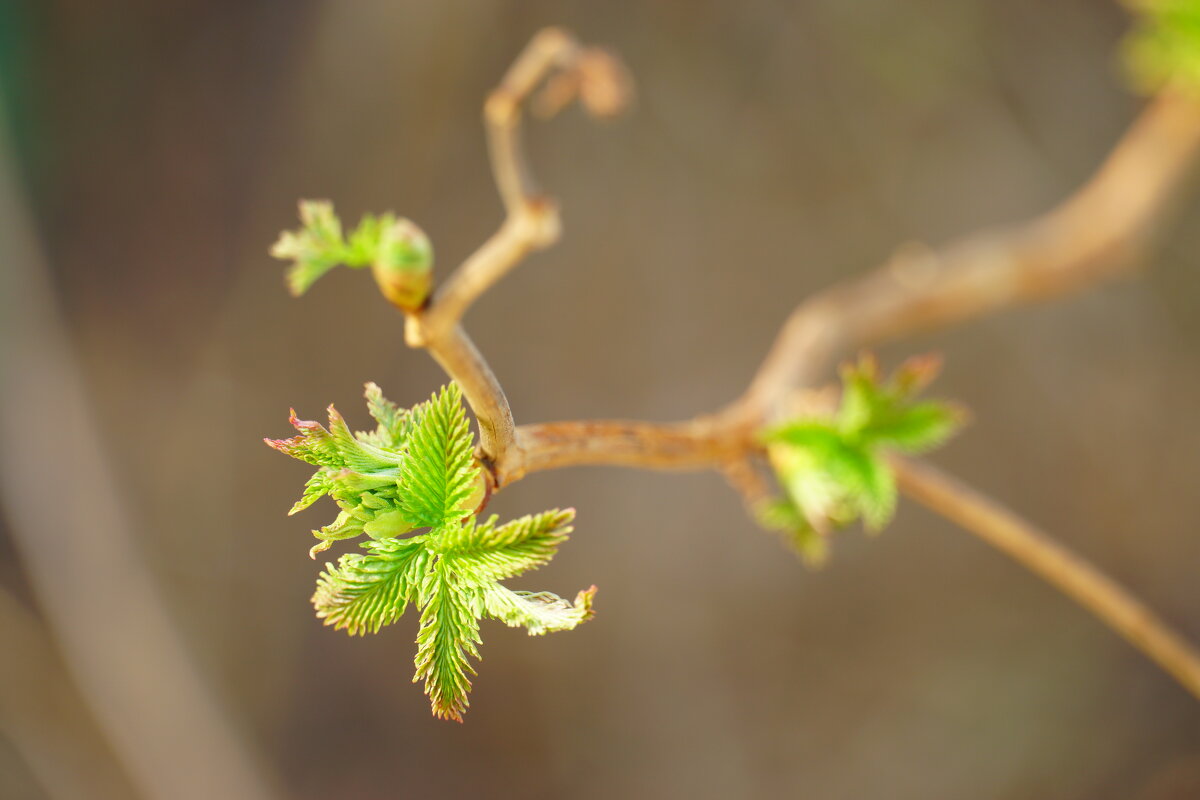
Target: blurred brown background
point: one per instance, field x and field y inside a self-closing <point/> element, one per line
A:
<point x="776" y="147"/>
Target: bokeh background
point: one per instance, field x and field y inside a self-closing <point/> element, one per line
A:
<point x="158" y="146"/>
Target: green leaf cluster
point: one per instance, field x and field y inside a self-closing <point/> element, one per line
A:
<point x="833" y="468"/>
<point x="398" y="252"/>
<point x="415" y="471"/>
<point x="1164" y="46"/>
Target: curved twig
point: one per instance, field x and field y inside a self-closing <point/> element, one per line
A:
<point x="531" y="222"/>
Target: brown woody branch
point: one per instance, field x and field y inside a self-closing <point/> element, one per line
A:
<point x="1096" y="234"/>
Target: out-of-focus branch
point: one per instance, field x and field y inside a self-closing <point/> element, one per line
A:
<point x="1096" y="234"/>
<point x="1035" y="550"/>
<point x="42" y="713"/>
<point x="74" y="536"/>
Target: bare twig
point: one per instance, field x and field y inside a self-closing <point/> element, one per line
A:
<point x="1028" y="545"/>
<point x="696" y="444"/>
<point x="169" y="729"/>
<point x="457" y="355"/>
<point x="531" y="222"/>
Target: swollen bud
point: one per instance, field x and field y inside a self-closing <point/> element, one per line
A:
<point x="403" y="265"/>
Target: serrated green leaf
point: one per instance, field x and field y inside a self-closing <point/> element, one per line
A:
<point x="313" y="445"/>
<point x="493" y="553"/>
<point x="538" y="612"/>
<point x="439" y="475"/>
<point x="364" y="592"/>
<point x="447" y="639"/>
<point x="358" y="456"/>
<point x="335" y="448"/>
<point x="320" y="484"/>
<point x="393" y="423"/>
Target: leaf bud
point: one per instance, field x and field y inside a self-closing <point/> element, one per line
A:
<point x="403" y="265"/>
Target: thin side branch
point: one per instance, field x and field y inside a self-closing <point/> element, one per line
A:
<point x="458" y="357"/>
<point x="1035" y="550"/>
<point x="531" y="222"/>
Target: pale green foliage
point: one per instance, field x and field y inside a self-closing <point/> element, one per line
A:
<point x="398" y="251"/>
<point x="417" y="470"/>
<point x="832" y="468"/>
<point x="1164" y="47"/>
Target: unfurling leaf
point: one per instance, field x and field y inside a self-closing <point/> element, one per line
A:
<point x="398" y="252"/>
<point x="538" y="612"/>
<point x="314" y="249"/>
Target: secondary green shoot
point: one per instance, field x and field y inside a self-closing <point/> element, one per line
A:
<point x="832" y="467"/>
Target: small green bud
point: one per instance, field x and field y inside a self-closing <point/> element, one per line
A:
<point x="403" y="265"/>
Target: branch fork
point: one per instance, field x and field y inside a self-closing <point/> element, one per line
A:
<point x="1096" y="234"/>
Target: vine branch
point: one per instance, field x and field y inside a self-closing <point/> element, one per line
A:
<point x="1096" y="234"/>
